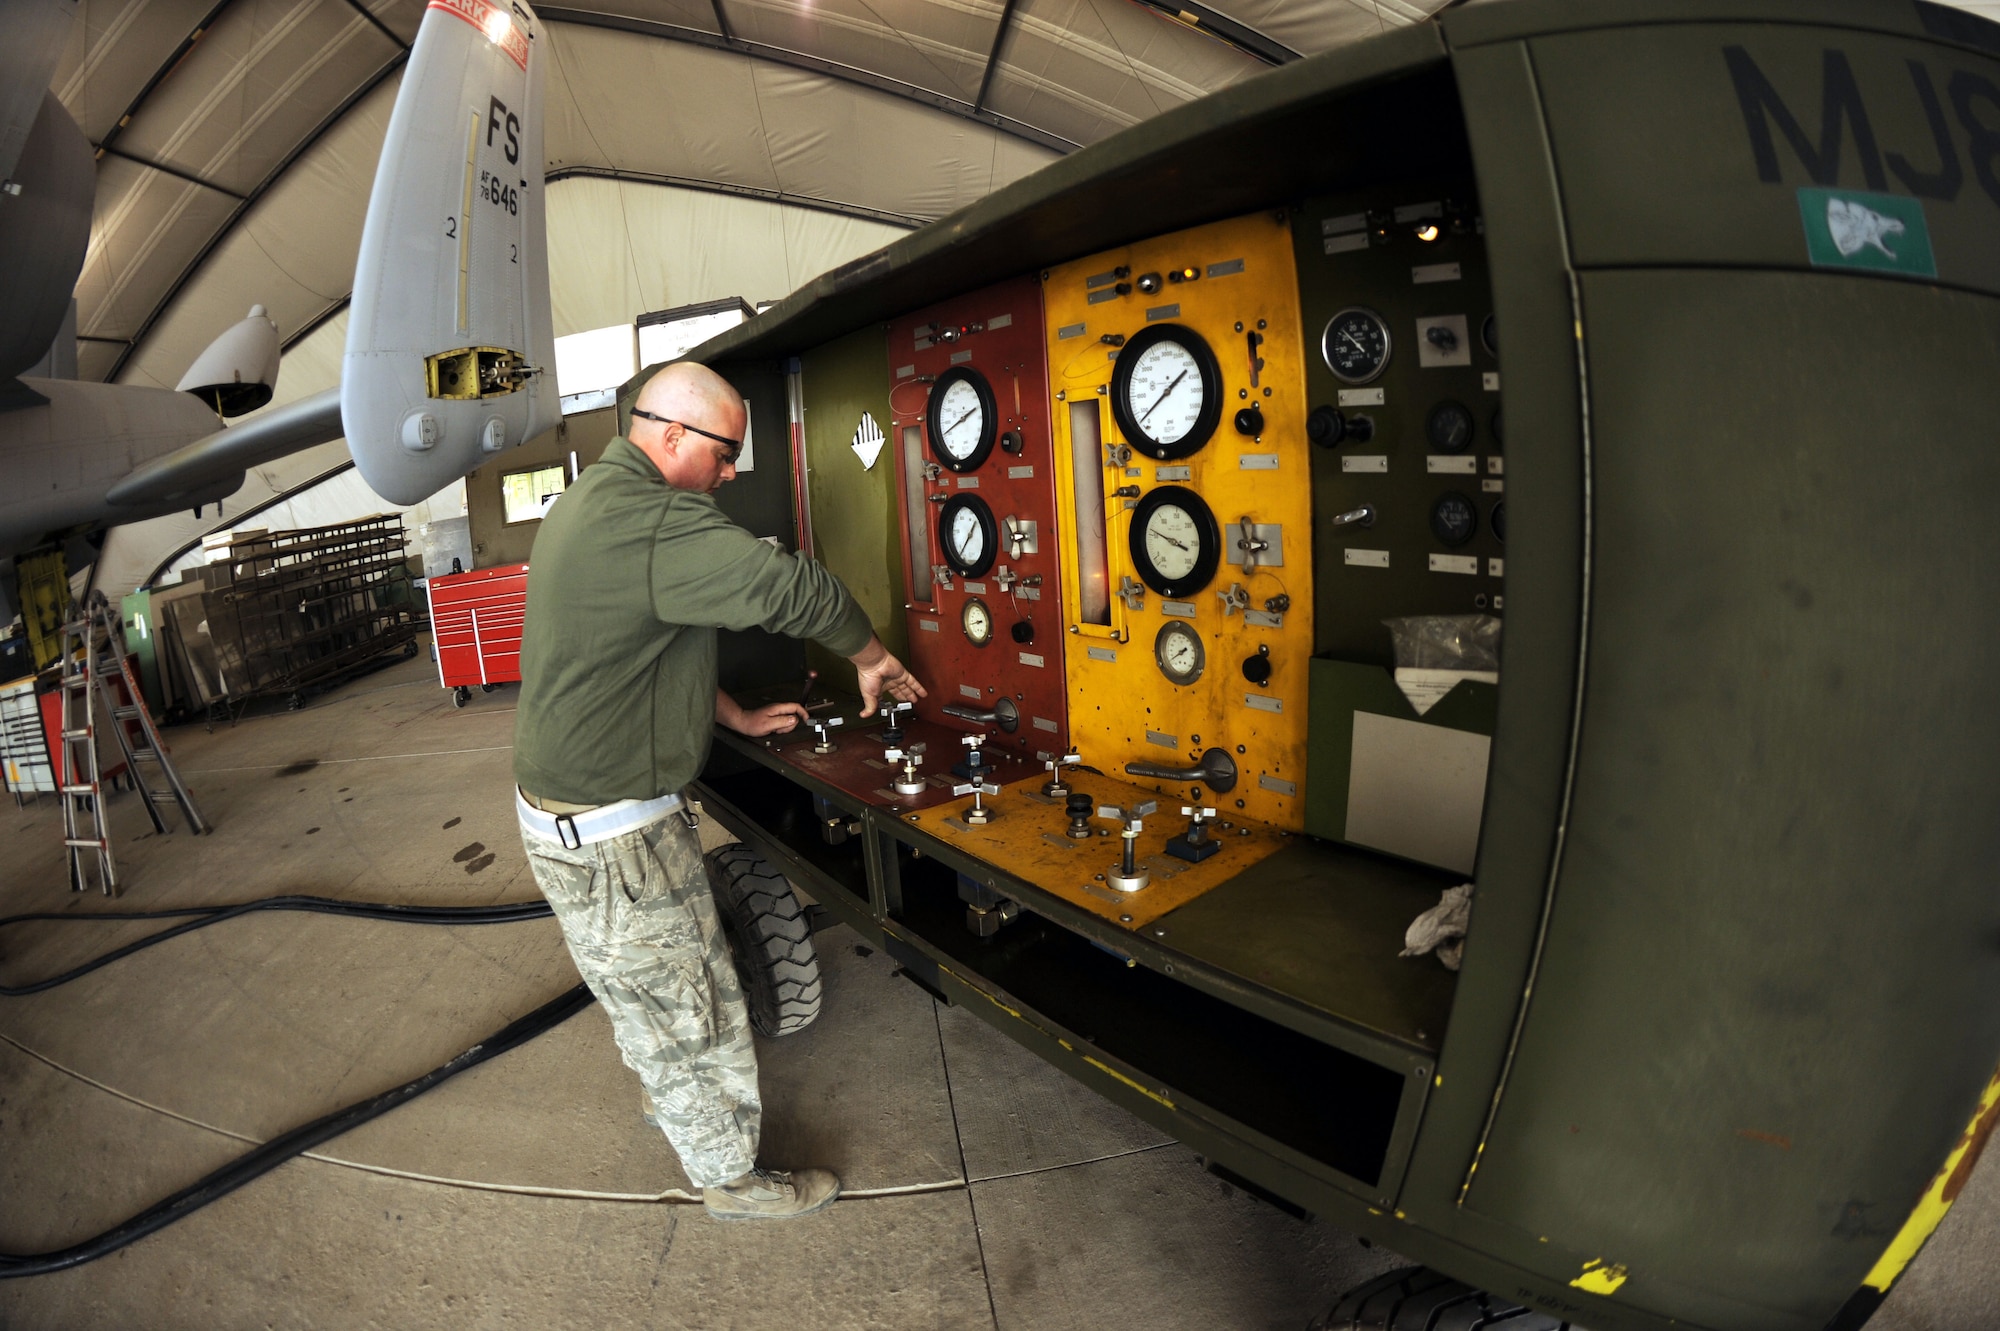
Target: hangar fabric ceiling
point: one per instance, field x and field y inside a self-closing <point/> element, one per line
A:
<point x="237" y="139"/>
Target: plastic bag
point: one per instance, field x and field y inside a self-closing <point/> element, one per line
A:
<point x="1446" y="642"/>
<point x="1441" y="928"/>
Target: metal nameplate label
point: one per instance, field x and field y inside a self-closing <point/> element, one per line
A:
<point x="968" y="691"/>
<point x="1367" y="558"/>
<point x="922" y="341"/>
<point x="1096" y="280"/>
<point x="1100" y="654"/>
<point x="1263" y="619"/>
<point x="905" y="371"/>
<point x="1357" y="240"/>
<point x="1043" y="723"/>
<point x="1333" y="226"/>
<point x="1451" y="464"/>
<point x="976" y="588"/>
<point x="968" y="482"/>
<point x="1021" y="473"/>
<point x="1273" y="784"/>
<point x="1165" y="741"/>
<point x="1028" y="593"/>
<point x="1257" y="461"/>
<point x="1068" y="331"/>
<point x="1173" y="473"/>
<point x="1455" y="564"/>
<point x="960" y="357"/>
<point x="1030" y="659"/>
<point x="1227" y="268"/>
<point x="1360" y="397"/>
<point x="1369" y="462"/>
<point x="1163" y="312"/>
<point x="1262" y="703"/>
<point x="1099" y="297"/>
<point x="999" y="321"/>
<point x="1417" y="212"/>
<point x="1426" y="273"/>
<point x="1496" y="568"/>
<point x="928" y="625"/>
<point x="1178" y="609"/>
<point x="1496" y="465"/>
<point x="1489" y="380"/>
<point x="1492" y="487"/>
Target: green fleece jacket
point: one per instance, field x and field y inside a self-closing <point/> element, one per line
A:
<point x="629" y="580"/>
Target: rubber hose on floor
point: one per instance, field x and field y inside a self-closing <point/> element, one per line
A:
<point x="275" y="1152"/>
<point x="510" y="913"/>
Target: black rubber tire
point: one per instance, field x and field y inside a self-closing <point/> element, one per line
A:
<point x="1416" y="1298"/>
<point x="770" y="939"/>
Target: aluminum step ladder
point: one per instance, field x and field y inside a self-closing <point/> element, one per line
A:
<point x="93" y="652"/>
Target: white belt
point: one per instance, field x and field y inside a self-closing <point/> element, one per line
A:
<point x="576" y="830"/>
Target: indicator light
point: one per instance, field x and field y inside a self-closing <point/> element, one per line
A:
<point x="1427" y="232"/>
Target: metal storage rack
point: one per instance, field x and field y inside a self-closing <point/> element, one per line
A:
<point x="293" y="612"/>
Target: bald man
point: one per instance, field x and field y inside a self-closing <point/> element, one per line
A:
<point x="633" y="571"/>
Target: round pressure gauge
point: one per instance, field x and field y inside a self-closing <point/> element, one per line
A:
<point x="1453" y="518"/>
<point x="968" y="535"/>
<point x="1449" y="427"/>
<point x="960" y="419"/>
<point x="977" y="621"/>
<point x="1355" y="345"/>
<point x="1175" y="542"/>
<point x="1166" y="392"/>
<point x="1178" y="652"/>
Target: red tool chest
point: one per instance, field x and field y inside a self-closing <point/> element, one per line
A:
<point x="476" y="627"/>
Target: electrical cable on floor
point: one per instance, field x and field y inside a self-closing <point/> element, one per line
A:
<point x="263" y="1159"/>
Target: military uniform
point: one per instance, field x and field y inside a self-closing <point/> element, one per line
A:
<point x="628" y="583"/>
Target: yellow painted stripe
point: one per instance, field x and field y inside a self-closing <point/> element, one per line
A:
<point x="1943" y="1191"/>
<point x="1597" y="1278"/>
<point x="1114" y="1072"/>
<point x="465" y="231"/>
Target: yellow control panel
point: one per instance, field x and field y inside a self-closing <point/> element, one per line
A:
<point x="1177" y="379"/>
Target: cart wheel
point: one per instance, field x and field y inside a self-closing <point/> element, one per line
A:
<point x="770" y="940"/>
<point x="410" y="647"/>
<point x="460" y="696"/>
<point x="488" y="688"/>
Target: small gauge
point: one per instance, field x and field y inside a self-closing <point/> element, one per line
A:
<point x="968" y="535"/>
<point x="1454" y="519"/>
<point x="1449" y="427"/>
<point x="1166" y="392"/>
<point x="1175" y="543"/>
<point x="977" y="621"/>
<point x="1498" y="521"/>
<point x="1355" y="345"/>
<point x="1489" y="336"/>
<point x="960" y="419"/>
<point x="1179" y="653"/>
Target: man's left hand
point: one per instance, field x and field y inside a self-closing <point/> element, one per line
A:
<point x="780" y="718"/>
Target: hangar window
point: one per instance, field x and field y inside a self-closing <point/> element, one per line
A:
<point x="590" y="367"/>
<point x="525" y="496"/>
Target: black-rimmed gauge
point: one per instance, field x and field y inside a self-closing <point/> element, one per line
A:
<point x="968" y="534"/>
<point x="1489" y="335"/>
<point x="1179" y="653"/>
<point x="1498" y="520"/>
<point x="960" y="418"/>
<point x="1449" y="427"/>
<point x="1454" y="519"/>
<point x="977" y="621"/>
<point x="1175" y="542"/>
<point x="1355" y="345"/>
<point x="1166" y="391"/>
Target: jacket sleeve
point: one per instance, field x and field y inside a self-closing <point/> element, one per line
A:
<point x="706" y="570"/>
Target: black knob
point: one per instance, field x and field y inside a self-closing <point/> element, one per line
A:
<point x="1023" y="631"/>
<point x="1250" y="420"/>
<point x="1257" y="669"/>
<point x="1079" y="805"/>
<point x="1150" y="283"/>
<point x="1011" y="442"/>
<point x="1326" y="426"/>
<point x="1360" y="428"/>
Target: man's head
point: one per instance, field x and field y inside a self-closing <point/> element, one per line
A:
<point x="690" y="423"/>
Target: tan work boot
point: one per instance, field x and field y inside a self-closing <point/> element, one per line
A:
<point x="771" y="1194"/>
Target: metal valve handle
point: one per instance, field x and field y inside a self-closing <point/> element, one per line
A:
<point x="1003" y="713"/>
<point x="1217" y="770"/>
<point x="1363" y="517"/>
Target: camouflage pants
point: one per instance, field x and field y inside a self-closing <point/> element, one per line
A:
<point x="640" y="920"/>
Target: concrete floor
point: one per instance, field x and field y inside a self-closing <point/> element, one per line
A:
<point x="983" y="1188"/>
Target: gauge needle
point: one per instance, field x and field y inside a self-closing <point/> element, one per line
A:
<point x="961" y="420"/>
<point x="1354" y="341"/>
<point x="1163" y="395"/>
<point x="1178" y="545"/>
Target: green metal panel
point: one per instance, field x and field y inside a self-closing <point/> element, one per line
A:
<point x="1342" y="688"/>
<point x="1767" y="988"/>
<point x="853" y="507"/>
<point x="136" y="613"/>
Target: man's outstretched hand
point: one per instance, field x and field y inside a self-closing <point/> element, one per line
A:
<point x="777" y="719"/>
<point x="881" y="673"/>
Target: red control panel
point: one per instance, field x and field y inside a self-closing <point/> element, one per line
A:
<point x="970" y="430"/>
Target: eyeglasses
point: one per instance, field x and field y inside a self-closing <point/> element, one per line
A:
<point x="735" y="445"/>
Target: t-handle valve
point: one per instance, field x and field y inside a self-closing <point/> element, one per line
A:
<point x="1079" y="807"/>
<point x="907" y="782"/>
<point x="1195" y="844"/>
<point x="1054" y="788"/>
<point x="1127" y="876"/>
<point x="892" y="721"/>
<point x="825" y="745"/>
<point x="978" y="815"/>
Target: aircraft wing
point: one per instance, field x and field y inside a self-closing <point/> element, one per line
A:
<point x="190" y="470"/>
